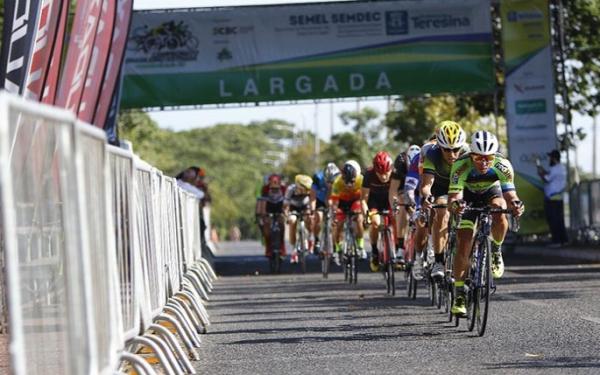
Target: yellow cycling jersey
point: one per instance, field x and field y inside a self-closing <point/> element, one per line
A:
<point x="339" y="190"/>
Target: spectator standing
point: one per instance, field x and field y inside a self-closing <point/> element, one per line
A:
<point x="555" y="183"/>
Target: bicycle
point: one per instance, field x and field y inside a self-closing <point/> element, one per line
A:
<point x="326" y="241"/>
<point x="479" y="283"/>
<point x="276" y="239"/>
<point x="386" y="248"/>
<point x="301" y="246"/>
<point x="350" y="259"/>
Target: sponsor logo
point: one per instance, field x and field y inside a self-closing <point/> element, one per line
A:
<point x="169" y="41"/>
<point x="440" y="21"/>
<point x="225" y="30"/>
<point x="526" y="15"/>
<point x="530" y="106"/>
<point x="396" y="22"/>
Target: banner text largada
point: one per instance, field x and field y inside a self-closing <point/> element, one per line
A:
<point x="308" y="51"/>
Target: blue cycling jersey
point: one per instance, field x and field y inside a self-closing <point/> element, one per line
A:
<point x="320" y="187"/>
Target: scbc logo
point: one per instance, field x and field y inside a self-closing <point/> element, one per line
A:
<point x="225" y="30"/>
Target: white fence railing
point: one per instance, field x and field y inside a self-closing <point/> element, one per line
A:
<point x="102" y="252"/>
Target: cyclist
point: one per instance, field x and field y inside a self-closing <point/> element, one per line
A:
<point x="271" y="202"/>
<point x="396" y="194"/>
<point x="480" y="178"/>
<point x="297" y="198"/>
<point x="319" y="195"/>
<point x="437" y="162"/>
<point x="375" y="196"/>
<point x="345" y="196"/>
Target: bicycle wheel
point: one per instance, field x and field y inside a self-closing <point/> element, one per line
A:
<point x="302" y="249"/>
<point x="346" y="263"/>
<point x="473" y="293"/>
<point x="411" y="286"/>
<point x="483" y="302"/>
<point x="391" y="278"/>
<point x="325" y="265"/>
<point x="441" y="295"/>
<point x="325" y="249"/>
<point x="432" y="291"/>
<point x="354" y="267"/>
<point x="449" y="299"/>
<point x="275" y="260"/>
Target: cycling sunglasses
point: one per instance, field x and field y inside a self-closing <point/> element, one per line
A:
<point x="480" y="158"/>
<point x="453" y="150"/>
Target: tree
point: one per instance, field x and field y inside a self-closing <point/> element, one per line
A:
<point x="415" y="119"/>
<point x="231" y="154"/>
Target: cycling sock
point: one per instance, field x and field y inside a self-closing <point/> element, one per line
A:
<point x="374" y="250"/>
<point x="459" y="284"/>
<point x="316" y="238"/>
<point x="496" y="244"/>
<point x="338" y="247"/>
<point x="439" y="258"/>
<point x="360" y="243"/>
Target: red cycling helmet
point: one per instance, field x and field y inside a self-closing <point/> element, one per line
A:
<point x="382" y="162"/>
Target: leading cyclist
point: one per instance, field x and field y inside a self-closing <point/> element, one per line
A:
<point x="482" y="177"/>
<point x="437" y="162"/>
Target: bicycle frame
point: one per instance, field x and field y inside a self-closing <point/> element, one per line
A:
<point x="385" y="234"/>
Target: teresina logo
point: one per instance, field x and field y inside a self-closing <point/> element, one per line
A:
<point x="440" y="21"/>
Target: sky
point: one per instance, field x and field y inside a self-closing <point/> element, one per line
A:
<point x="320" y="118"/>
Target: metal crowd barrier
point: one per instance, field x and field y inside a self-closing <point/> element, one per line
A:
<point x="585" y="212"/>
<point x="103" y="252"/>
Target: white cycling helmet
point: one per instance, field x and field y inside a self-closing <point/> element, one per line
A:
<point x="350" y="171"/>
<point x="330" y="172"/>
<point x="412" y="151"/>
<point x="355" y="164"/>
<point x="484" y="143"/>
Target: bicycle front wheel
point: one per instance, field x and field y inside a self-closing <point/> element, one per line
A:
<point x="483" y="302"/>
<point x="354" y="268"/>
<point x="391" y="278"/>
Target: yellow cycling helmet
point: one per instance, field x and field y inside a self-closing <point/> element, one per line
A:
<point x="450" y="134"/>
<point x="304" y="181"/>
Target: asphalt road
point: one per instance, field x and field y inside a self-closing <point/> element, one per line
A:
<point x="545" y="318"/>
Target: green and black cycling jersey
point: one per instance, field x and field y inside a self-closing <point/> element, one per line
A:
<point x="435" y="164"/>
<point x="464" y="175"/>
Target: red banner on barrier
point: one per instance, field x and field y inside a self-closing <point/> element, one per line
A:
<point x="115" y="60"/>
<point x="45" y="37"/>
<point x="100" y="55"/>
<point x="79" y="54"/>
<point x="17" y="38"/>
<point x="51" y="82"/>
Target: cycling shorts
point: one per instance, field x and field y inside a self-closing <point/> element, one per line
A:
<point x="343" y="206"/>
<point x="320" y="204"/>
<point x="477" y="200"/>
<point x="439" y="189"/>
<point x="274" y="208"/>
<point x="378" y="204"/>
